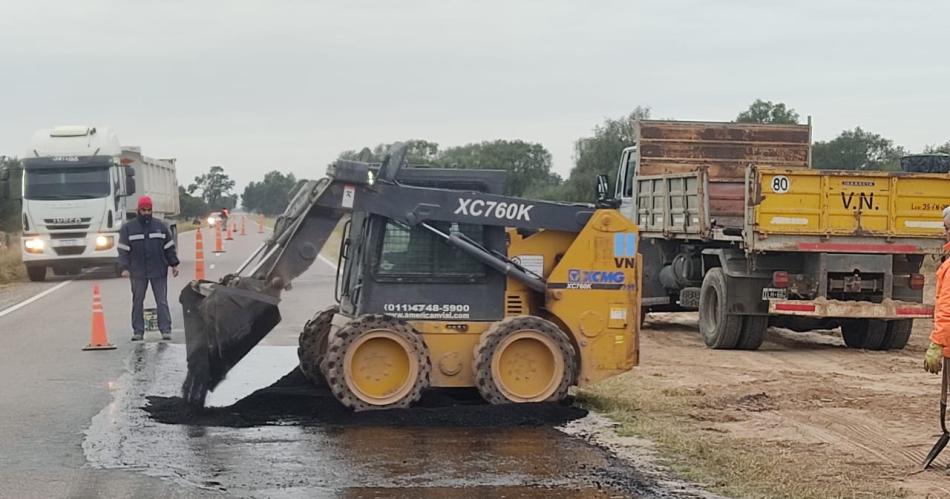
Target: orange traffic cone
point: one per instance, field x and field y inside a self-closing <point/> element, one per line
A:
<point x="218" y="245"/>
<point x="98" y="339"/>
<point x="199" y="256"/>
<point x="242" y="225"/>
<point x="228" y="226"/>
<point x="260" y="224"/>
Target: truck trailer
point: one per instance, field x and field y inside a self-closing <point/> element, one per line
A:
<point x="79" y="185"/>
<point x="736" y="223"/>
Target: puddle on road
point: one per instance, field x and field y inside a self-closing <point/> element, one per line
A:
<point x="291" y="439"/>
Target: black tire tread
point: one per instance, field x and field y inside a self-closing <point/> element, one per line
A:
<point x="312" y="344"/>
<point x="492" y="337"/>
<point x="753" y="332"/>
<point x="727" y="334"/>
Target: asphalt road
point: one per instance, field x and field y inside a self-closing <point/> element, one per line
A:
<point x="72" y="423"/>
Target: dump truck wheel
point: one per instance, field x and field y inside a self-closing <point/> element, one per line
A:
<point x="720" y="330"/>
<point x="313" y="344"/>
<point x="865" y="334"/>
<point x="753" y="332"/>
<point x="897" y="334"/>
<point x="36" y="273"/>
<point x="376" y="362"/>
<point x="524" y="359"/>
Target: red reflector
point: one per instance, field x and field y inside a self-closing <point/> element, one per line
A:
<point x="780" y="279"/>
<point x="795" y="307"/>
<point x="914" y="311"/>
<point x="916" y="281"/>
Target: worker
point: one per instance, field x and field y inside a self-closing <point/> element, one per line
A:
<point x="940" y="336"/>
<point x="146" y="250"/>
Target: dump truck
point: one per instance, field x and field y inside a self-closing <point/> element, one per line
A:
<point x="442" y="281"/>
<point x="79" y="185"/>
<point x="736" y="223"/>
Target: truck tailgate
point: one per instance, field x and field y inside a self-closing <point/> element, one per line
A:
<point x="890" y="205"/>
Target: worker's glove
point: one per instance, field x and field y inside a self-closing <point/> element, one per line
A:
<point x="933" y="359"/>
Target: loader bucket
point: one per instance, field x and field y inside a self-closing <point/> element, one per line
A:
<point x="221" y="328"/>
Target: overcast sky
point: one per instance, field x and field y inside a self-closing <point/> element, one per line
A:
<point x="262" y="85"/>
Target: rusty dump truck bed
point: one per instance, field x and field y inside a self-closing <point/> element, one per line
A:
<point x="753" y="183"/>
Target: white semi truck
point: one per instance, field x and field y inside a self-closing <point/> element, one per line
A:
<point x="79" y="185"/>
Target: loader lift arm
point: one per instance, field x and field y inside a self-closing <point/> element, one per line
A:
<point x="224" y="320"/>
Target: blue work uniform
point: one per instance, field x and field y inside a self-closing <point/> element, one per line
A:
<point x="146" y="249"/>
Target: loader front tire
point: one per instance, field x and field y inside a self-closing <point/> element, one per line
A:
<point x="376" y="362"/>
<point x="720" y="330"/>
<point x="524" y="359"/>
<point x="312" y="345"/>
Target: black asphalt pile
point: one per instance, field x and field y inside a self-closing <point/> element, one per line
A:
<point x="294" y="400"/>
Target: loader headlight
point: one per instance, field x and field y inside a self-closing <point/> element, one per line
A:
<point x="34" y="245"/>
<point x="211" y="220"/>
<point x="104" y="242"/>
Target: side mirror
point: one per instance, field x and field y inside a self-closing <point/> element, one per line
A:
<point x="10" y="184"/>
<point x="602" y="188"/>
<point x="129" y="181"/>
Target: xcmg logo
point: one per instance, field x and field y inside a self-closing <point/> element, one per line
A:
<point x="586" y="279"/>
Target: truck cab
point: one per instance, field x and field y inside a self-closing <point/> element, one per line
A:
<point x="77" y="190"/>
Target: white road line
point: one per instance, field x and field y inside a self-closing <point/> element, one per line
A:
<point x="32" y="299"/>
<point x="327" y="261"/>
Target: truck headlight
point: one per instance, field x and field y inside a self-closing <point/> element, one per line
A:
<point x="104" y="242"/>
<point x="34" y="245"/>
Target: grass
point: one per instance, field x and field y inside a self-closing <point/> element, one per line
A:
<point x="730" y="466"/>
<point x="11" y="265"/>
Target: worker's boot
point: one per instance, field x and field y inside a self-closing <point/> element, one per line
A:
<point x="137" y="336"/>
<point x="166" y="336"/>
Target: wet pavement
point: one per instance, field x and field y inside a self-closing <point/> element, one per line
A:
<point x="266" y="444"/>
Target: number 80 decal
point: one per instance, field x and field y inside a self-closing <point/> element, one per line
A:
<point x="780" y="184"/>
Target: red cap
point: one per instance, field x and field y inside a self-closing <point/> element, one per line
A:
<point x="145" y="201"/>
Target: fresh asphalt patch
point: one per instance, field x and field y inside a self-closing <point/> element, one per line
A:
<point x="295" y="400"/>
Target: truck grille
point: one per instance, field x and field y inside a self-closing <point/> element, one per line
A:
<point x="69" y="250"/>
<point x="67" y="223"/>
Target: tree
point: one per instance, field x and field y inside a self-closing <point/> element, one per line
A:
<point x="191" y="206"/>
<point x="528" y="165"/>
<point x="857" y="150"/>
<point x="419" y="152"/>
<point x="762" y="111"/>
<point x="215" y="187"/>
<point x="941" y="149"/>
<point x="600" y="154"/>
<point x="269" y="196"/>
<point x="9" y="208"/>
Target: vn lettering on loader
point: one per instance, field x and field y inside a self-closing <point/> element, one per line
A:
<point x="413" y="238"/>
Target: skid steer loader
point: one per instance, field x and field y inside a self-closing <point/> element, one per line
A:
<point x="443" y="281"/>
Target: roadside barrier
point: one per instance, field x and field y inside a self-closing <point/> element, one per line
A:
<point x="98" y="339"/>
<point x="199" y="256"/>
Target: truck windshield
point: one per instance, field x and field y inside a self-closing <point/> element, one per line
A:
<point x="66" y="183"/>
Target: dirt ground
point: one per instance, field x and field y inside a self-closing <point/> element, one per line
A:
<point x="803" y="416"/>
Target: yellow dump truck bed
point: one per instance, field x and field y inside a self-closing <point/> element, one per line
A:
<point x="845" y="211"/>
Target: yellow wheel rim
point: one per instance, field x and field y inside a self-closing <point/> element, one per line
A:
<point x="380" y="367"/>
<point x="527" y="366"/>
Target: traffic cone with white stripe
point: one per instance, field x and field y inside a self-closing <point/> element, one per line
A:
<point x="199" y="256"/>
<point x="218" y="245"/>
<point x="98" y="339"/>
<point x="229" y="238"/>
<point x="260" y="224"/>
<point x="242" y="225"/>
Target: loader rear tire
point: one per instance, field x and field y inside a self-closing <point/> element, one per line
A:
<point x="312" y="345"/>
<point x="524" y="359"/>
<point x="867" y="334"/>
<point x="720" y="330"/>
<point x="376" y="362"/>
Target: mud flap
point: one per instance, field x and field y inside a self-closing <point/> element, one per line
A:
<point x="220" y="329"/>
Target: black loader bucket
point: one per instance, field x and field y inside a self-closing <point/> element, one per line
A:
<point x="221" y="328"/>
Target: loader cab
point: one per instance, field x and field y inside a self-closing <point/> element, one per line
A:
<point x="412" y="274"/>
